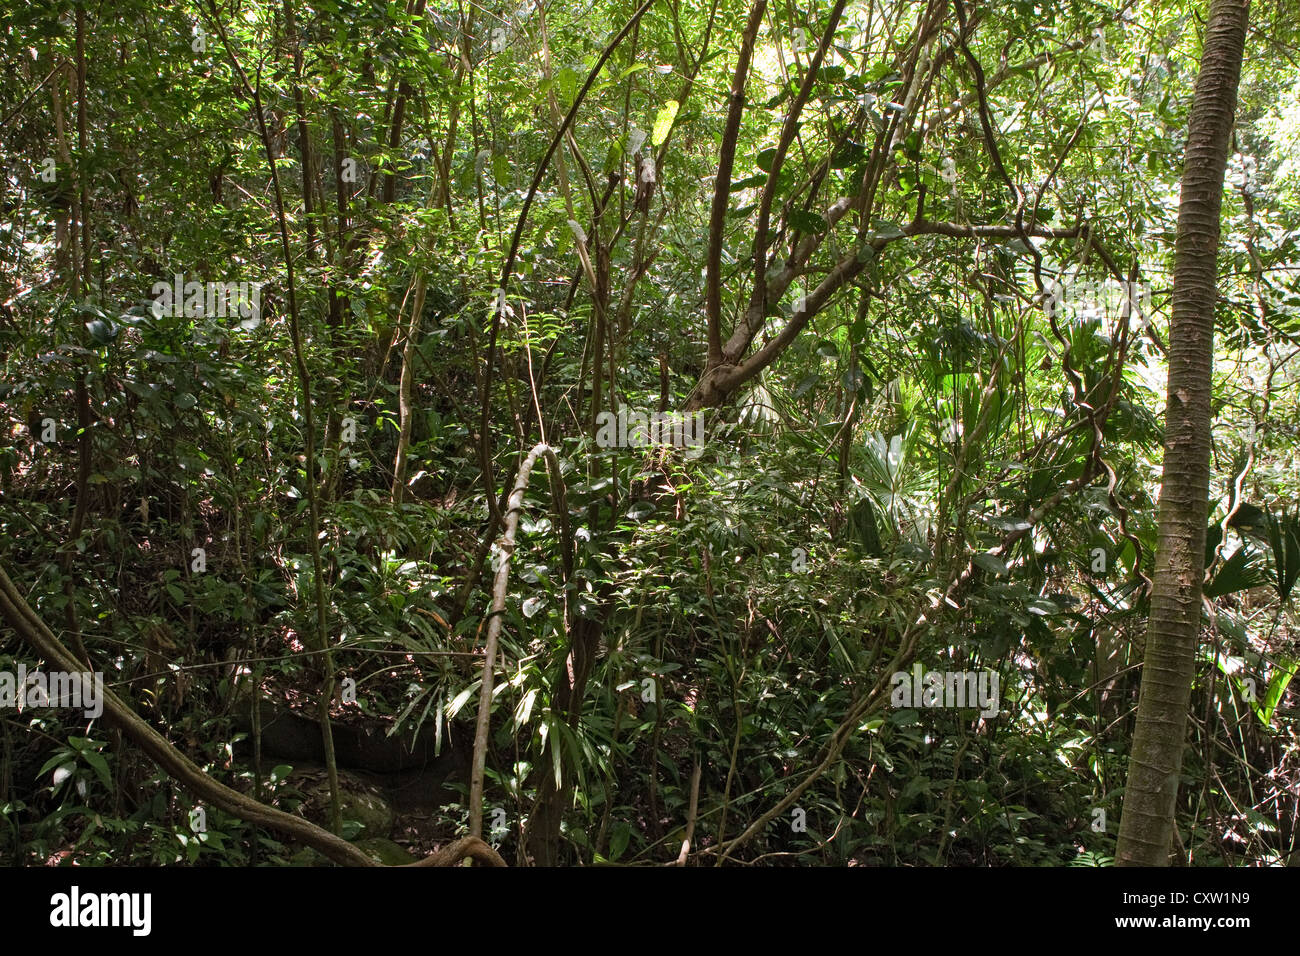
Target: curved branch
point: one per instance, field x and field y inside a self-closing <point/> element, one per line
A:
<point x="514" y="506"/>
<point x="32" y="630"/>
<point x="718" y="383"/>
<point x="471" y="848"/>
<point x="758" y="298"/>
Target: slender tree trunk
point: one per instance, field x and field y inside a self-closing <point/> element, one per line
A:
<point x="311" y="485"/>
<point x="502" y="579"/>
<point x="77" y="265"/>
<point x="1147" y="826"/>
<point x="404" y="389"/>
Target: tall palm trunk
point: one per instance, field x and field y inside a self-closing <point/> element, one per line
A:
<point x="1147" y="825"/>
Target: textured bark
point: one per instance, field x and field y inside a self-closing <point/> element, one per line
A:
<point x="722" y="185"/>
<point x="404" y="406"/>
<point x="720" y="382"/>
<point x="514" y="508"/>
<point x="1147" y="825"/>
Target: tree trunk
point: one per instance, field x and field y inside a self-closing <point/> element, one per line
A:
<point x="1147" y="825"/>
<point x="404" y="390"/>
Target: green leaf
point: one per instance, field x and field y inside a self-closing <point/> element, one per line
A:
<point x="1284" y="540"/>
<point x="101" y="332"/>
<point x="100" y="766"/>
<point x="664" y="123"/>
<point x="58" y="758"/>
<point x="1244" y="569"/>
<point x="567" y="81"/>
<point x="758" y="179"/>
<point x="809" y="222"/>
<point x="991" y="563"/>
<point x="847" y="154"/>
<point x="63" y="771"/>
<point x="501" y="169"/>
<point x="461" y="699"/>
<point x="618" y="840"/>
<point x="885" y="229"/>
<point x="805" y="385"/>
<point x="1277" y="685"/>
<point x="863" y="530"/>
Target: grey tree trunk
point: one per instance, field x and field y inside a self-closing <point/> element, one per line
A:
<point x="1147" y="824"/>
